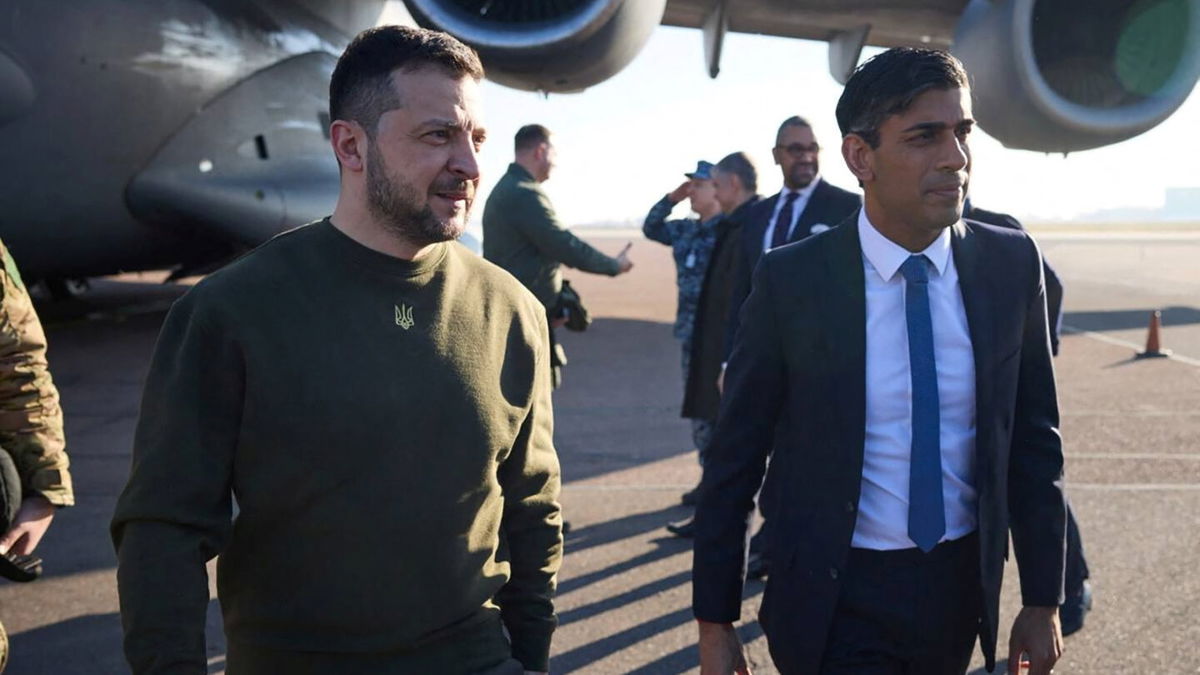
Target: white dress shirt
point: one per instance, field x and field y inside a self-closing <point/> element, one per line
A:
<point x="802" y="196"/>
<point x="883" y="505"/>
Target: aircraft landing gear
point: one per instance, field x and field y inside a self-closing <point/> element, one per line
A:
<point x="61" y="289"/>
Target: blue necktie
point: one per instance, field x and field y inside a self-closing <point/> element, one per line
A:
<point x="926" y="508"/>
<point x="783" y="221"/>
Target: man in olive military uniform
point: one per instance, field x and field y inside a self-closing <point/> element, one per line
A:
<point x="522" y="233"/>
<point x="34" y="480"/>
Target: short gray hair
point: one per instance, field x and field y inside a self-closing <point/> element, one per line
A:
<point x="740" y="165"/>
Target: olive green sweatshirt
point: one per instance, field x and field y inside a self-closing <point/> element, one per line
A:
<point x="386" y="429"/>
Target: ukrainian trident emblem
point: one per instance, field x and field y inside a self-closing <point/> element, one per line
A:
<point x="404" y="317"/>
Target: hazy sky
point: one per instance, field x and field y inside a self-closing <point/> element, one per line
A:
<point x="625" y="142"/>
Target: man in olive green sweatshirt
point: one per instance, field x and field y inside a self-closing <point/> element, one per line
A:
<point x="376" y="398"/>
<point x="522" y="233"/>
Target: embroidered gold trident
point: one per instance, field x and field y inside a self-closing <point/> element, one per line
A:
<point x="404" y="317"/>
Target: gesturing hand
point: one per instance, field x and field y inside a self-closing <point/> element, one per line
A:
<point x="721" y="651"/>
<point x="1036" y="632"/>
<point x="623" y="259"/>
<point x="30" y="523"/>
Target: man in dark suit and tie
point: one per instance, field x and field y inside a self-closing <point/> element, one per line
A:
<point x="905" y="357"/>
<point x="806" y="205"/>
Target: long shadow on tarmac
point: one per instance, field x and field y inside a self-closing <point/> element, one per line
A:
<point x="666" y="549"/>
<point x="89" y="644"/>
<point x="618" y="529"/>
<point x="676" y="662"/>
<point x="619" y="403"/>
<point x="1127" y="319"/>
<point x="683" y="660"/>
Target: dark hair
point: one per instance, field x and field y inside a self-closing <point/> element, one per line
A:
<point x="740" y="165"/>
<point x="361" y="87"/>
<point x="530" y="136"/>
<point x="793" y="121"/>
<point x="887" y="85"/>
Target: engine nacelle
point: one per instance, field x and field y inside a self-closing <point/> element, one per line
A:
<point x="562" y="46"/>
<point x="1062" y="75"/>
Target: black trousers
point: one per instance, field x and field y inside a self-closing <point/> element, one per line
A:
<point x="907" y="612"/>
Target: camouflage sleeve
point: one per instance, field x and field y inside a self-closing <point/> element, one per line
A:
<point x="655" y="226"/>
<point x="31" y="421"/>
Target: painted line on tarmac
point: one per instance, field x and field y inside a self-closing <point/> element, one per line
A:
<point x="654" y="487"/>
<point x="1121" y="455"/>
<point x="1129" y="413"/>
<point x="1097" y="487"/>
<point x="1135" y="487"/>
<point x="1125" y="343"/>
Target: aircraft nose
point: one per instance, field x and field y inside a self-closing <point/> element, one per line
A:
<point x="16" y="89"/>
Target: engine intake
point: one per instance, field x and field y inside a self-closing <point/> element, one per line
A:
<point x="1058" y="76"/>
<point x="546" y="45"/>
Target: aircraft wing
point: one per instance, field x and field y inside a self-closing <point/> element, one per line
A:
<point x="902" y="23"/>
<point x="1045" y="74"/>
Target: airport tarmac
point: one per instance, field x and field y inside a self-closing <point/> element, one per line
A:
<point x="1131" y="430"/>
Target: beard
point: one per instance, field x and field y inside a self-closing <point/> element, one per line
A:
<point x="802" y="175"/>
<point x="399" y="208"/>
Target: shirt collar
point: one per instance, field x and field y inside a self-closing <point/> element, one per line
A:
<point x="886" y="256"/>
<point x="803" y="193"/>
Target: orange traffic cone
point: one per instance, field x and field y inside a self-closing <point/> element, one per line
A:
<point x="1153" y="346"/>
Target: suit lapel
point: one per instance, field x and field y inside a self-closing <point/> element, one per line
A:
<point x="760" y="227"/>
<point x="845" y="320"/>
<point x="977" y="300"/>
<point x="812" y="214"/>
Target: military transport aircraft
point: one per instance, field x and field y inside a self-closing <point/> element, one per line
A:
<point x="152" y="134"/>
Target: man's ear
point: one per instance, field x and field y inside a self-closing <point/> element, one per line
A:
<point x="541" y="151"/>
<point x="860" y="157"/>
<point x="350" y="144"/>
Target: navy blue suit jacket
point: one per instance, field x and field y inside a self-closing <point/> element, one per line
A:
<point x="827" y="206"/>
<point x="796" y="384"/>
<point x="1054" y="286"/>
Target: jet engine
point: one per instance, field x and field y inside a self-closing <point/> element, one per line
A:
<point x="1064" y="75"/>
<point x="546" y="45"/>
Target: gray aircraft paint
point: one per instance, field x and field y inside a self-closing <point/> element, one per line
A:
<point x="102" y="170"/>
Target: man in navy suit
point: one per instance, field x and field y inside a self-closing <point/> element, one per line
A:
<point x="904" y="358"/>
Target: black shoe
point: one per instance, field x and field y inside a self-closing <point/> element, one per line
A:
<point x="566" y="528"/>
<point x="689" y="498"/>
<point x="684" y="528"/>
<point x="757" y="567"/>
<point x="1073" y="611"/>
<point x="21" y="568"/>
